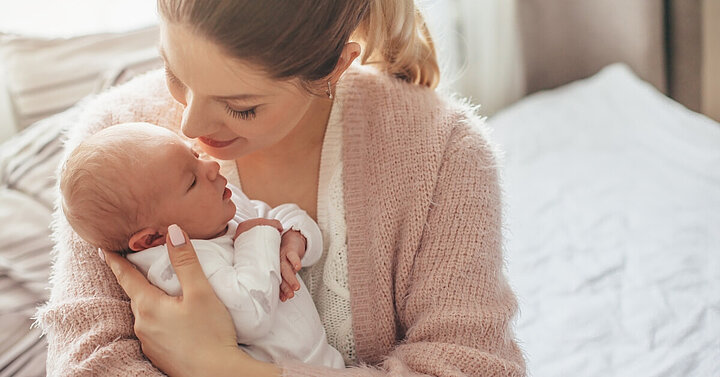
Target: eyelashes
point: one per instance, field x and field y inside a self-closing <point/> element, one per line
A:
<point x="236" y="114"/>
<point x="171" y="77"/>
<point x="244" y="114"/>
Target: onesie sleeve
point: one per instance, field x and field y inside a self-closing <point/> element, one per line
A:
<point x="293" y="217"/>
<point x="246" y="280"/>
<point x="250" y="286"/>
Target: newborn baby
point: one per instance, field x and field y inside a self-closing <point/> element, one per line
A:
<point x="123" y="186"/>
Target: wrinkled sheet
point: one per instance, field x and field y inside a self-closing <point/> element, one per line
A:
<point x="612" y="203"/>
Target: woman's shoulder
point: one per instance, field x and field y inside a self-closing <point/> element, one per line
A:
<point x="144" y="96"/>
<point x="392" y="108"/>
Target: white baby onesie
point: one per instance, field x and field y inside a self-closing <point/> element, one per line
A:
<point x="245" y="275"/>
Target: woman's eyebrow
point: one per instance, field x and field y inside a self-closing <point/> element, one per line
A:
<point x="240" y="97"/>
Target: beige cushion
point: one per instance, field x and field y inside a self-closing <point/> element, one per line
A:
<point x="46" y="76"/>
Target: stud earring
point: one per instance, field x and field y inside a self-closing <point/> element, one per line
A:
<point x="329" y="91"/>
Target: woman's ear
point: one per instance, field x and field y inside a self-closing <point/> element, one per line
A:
<point x="145" y="239"/>
<point x="349" y="53"/>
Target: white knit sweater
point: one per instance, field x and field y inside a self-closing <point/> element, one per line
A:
<point x="327" y="280"/>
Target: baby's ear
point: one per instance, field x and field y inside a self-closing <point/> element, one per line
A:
<point x="145" y="239"/>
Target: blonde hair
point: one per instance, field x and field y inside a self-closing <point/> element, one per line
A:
<point x="304" y="38"/>
<point x="397" y="39"/>
<point x="97" y="203"/>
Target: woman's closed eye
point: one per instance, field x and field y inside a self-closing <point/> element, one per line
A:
<point x="172" y="78"/>
<point x="241" y="114"/>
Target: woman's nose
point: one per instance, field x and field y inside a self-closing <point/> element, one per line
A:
<point x="196" y="120"/>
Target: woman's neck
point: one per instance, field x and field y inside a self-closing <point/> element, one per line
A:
<point x="288" y="172"/>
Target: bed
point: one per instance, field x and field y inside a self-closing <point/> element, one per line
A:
<point x="612" y="195"/>
<point x="612" y="207"/>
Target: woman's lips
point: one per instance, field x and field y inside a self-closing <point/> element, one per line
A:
<point x="216" y="143"/>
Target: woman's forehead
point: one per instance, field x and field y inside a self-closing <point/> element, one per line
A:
<point x="203" y="66"/>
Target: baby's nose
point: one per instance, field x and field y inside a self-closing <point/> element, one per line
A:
<point x="213" y="170"/>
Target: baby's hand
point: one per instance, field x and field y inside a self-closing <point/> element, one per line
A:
<point x="248" y="224"/>
<point x="292" y="249"/>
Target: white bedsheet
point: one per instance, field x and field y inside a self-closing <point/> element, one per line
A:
<point x="613" y="230"/>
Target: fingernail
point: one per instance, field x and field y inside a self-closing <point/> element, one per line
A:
<point x="176" y="235"/>
<point x="101" y="254"/>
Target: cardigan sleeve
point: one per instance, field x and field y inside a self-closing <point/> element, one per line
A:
<point x="457" y="310"/>
<point x="88" y="321"/>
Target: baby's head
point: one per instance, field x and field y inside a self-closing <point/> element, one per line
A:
<point x="123" y="186"/>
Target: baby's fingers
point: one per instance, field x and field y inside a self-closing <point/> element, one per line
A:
<point x="285" y="291"/>
<point x="294" y="260"/>
<point x="288" y="275"/>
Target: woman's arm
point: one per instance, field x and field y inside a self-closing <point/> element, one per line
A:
<point x="190" y="335"/>
<point x="458" y="313"/>
<point x="88" y="321"/>
<point x="454" y="307"/>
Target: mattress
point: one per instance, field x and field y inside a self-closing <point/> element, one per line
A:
<point x="612" y="218"/>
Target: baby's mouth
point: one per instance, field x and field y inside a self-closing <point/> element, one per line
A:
<point x="226" y="194"/>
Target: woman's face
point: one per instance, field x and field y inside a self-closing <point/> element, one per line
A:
<point x="231" y="107"/>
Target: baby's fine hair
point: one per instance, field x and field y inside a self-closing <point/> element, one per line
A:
<point x="95" y="199"/>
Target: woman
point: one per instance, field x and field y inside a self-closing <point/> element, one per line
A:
<point x="402" y="183"/>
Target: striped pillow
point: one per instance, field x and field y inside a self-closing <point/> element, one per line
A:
<point x="46" y="76"/>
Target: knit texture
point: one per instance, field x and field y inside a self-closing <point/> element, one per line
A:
<point x="327" y="280"/>
<point x="424" y="242"/>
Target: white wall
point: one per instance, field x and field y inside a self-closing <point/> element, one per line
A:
<point x="66" y="18"/>
<point x="479" y="50"/>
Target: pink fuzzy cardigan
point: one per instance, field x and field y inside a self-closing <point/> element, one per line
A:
<point x="423" y="211"/>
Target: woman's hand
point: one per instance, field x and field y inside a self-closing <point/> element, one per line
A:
<point x="190" y="335"/>
<point x="292" y="249"/>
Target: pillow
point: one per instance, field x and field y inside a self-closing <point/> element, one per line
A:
<point x="46" y="76"/>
